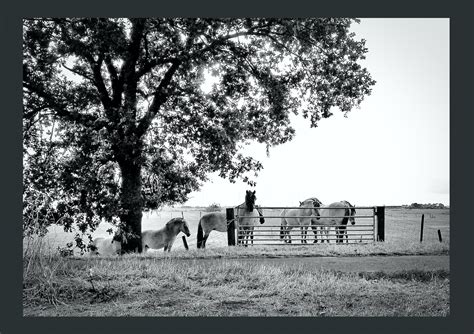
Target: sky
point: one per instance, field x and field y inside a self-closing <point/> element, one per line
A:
<point x="393" y="150"/>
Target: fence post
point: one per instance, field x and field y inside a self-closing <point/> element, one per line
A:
<point x="185" y="243"/>
<point x="380" y="223"/>
<point x="230" y="226"/>
<point x="421" y="230"/>
<point x="439" y="236"/>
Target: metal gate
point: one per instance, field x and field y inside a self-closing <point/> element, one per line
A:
<point x="369" y="227"/>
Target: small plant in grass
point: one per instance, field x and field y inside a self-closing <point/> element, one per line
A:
<point x="100" y="294"/>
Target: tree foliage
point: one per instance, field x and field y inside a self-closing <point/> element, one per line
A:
<point x="116" y="120"/>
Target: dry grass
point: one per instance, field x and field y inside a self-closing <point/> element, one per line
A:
<point x="160" y="284"/>
<point x="168" y="287"/>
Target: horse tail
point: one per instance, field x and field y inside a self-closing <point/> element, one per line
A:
<point x="262" y="220"/>
<point x="282" y="228"/>
<point x="342" y="227"/>
<point x="200" y="235"/>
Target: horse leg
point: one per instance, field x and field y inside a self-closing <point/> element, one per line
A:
<point x="315" y="231"/>
<point x="240" y="236"/>
<point x="204" y="239"/>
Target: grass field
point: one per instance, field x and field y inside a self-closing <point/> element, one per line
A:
<point x="179" y="284"/>
<point x="155" y="287"/>
<point x="402" y="230"/>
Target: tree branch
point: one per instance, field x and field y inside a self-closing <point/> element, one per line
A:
<point x="60" y="108"/>
<point x="159" y="98"/>
<point x="117" y="86"/>
<point x="99" y="81"/>
<point x="84" y="75"/>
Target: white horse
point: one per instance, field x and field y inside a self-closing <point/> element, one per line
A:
<point x="291" y="218"/>
<point x="164" y="237"/>
<point x="247" y="214"/>
<point x="337" y="214"/>
<point x="105" y="247"/>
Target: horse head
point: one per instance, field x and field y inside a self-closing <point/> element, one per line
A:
<point x="350" y="211"/>
<point x="250" y="199"/>
<point x="185" y="228"/>
<point x="180" y="224"/>
<point x="317" y="204"/>
<point x="314" y="203"/>
<point x="353" y="212"/>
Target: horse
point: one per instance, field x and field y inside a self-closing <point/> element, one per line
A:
<point x="210" y="222"/>
<point x="316" y="203"/>
<point x="164" y="237"/>
<point x="247" y="213"/>
<point x="218" y="221"/>
<point x="106" y="247"/>
<point x="337" y="213"/>
<point x="290" y="219"/>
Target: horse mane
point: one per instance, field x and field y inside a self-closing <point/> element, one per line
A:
<point x="345" y="220"/>
<point x="173" y="222"/>
<point x="316" y="202"/>
<point x="348" y="213"/>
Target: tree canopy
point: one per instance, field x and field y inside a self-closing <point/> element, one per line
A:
<point x="116" y="120"/>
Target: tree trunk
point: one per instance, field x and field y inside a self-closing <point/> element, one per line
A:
<point x="131" y="205"/>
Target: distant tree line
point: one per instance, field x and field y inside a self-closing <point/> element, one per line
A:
<point x="426" y="206"/>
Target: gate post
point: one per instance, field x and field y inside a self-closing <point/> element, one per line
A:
<point x="230" y="226"/>
<point x="380" y="223"/>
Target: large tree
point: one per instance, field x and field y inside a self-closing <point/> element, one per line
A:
<point x="116" y="120"/>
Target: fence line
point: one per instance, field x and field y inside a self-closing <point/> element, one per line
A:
<point x="375" y="230"/>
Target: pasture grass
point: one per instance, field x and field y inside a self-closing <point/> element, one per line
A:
<point x="370" y="249"/>
<point x="168" y="287"/>
<point x="159" y="284"/>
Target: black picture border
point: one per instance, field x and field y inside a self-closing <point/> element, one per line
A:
<point x="460" y="13"/>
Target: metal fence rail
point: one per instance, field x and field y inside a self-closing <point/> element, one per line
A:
<point x="368" y="228"/>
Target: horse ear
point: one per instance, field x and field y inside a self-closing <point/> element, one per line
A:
<point x="254" y="192"/>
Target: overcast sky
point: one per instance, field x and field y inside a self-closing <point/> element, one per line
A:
<point x="393" y="150"/>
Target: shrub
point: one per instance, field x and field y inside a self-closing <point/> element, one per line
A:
<point x="213" y="207"/>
